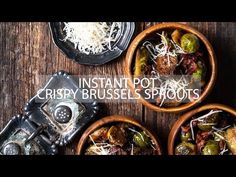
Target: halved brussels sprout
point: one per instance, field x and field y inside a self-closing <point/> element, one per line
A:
<point x="186" y="148"/>
<point x="211" y="148"/>
<point x="190" y="43"/>
<point x="141" y="139"/>
<point x="209" y="122"/>
<point x="230" y="136"/>
<point x="140" y="61"/>
<point x="116" y="136"/>
<point x="185" y="136"/>
<point x="176" y="36"/>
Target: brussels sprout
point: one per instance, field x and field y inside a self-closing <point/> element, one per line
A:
<point x="209" y="122"/>
<point x="200" y="72"/>
<point x="141" y="139"/>
<point x="140" y="61"/>
<point x="116" y="136"/>
<point x="189" y="43"/>
<point x="176" y="36"/>
<point x="185" y="148"/>
<point x="230" y="136"/>
<point x="211" y="148"/>
<point x="99" y="135"/>
<point x="185" y="136"/>
<point x="205" y="126"/>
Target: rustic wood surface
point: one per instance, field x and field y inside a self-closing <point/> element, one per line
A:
<point x="27" y="52"/>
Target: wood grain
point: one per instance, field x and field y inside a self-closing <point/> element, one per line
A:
<point x="27" y="53"/>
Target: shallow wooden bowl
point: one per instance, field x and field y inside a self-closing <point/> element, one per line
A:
<point x="212" y="67"/>
<point x="187" y="116"/>
<point x="114" y="119"/>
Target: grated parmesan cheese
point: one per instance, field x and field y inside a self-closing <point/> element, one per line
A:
<point x="92" y="37"/>
<point x="174" y="85"/>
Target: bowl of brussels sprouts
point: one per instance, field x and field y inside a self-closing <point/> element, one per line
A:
<point x="118" y="135"/>
<point x="179" y="58"/>
<point x="207" y="130"/>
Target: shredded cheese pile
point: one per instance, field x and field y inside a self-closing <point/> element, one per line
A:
<point x="92" y="37"/>
<point x="163" y="48"/>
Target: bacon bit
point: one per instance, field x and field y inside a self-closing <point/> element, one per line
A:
<point x="189" y="63"/>
<point x="199" y="54"/>
<point x="185" y="129"/>
<point x="222" y="145"/>
<point x="147" y="69"/>
<point x="201" y="139"/>
<point x="200" y="145"/>
<point x="205" y="135"/>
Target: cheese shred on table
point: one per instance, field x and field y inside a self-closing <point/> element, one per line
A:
<point x="92" y="37"/>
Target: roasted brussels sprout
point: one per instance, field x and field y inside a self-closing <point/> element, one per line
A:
<point x="208" y="122"/>
<point x="190" y="43"/>
<point x="185" y="136"/>
<point x="185" y="148"/>
<point x="176" y="36"/>
<point x="141" y="139"/>
<point x="211" y="148"/>
<point x="99" y="135"/>
<point x="116" y="136"/>
<point x="140" y="61"/>
<point x="230" y="136"/>
<point x="200" y="72"/>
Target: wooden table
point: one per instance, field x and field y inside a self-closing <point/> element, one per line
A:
<point x="27" y="52"/>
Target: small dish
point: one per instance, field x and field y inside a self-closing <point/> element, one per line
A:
<point x="63" y="116"/>
<point x="111" y="120"/>
<point x="127" y="30"/>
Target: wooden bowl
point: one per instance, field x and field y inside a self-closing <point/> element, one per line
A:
<point x="186" y="117"/>
<point x="113" y="119"/>
<point x="212" y="67"/>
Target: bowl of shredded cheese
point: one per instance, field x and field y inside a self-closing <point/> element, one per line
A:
<point x="92" y="43"/>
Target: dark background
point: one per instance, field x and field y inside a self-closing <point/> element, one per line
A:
<point x="27" y="52"/>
